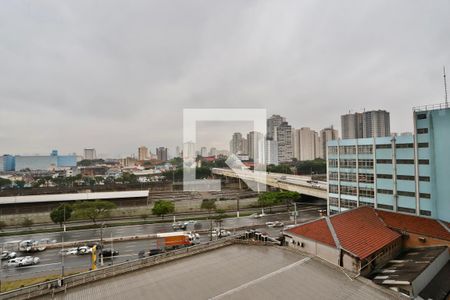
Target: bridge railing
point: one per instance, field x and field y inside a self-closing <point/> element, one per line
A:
<point x="59" y="285"/>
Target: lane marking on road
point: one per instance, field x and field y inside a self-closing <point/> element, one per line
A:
<point x="255" y="281"/>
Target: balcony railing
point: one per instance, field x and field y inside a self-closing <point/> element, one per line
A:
<point x="431" y="107"/>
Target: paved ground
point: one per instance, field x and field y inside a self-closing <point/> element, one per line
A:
<point x="234" y="272"/>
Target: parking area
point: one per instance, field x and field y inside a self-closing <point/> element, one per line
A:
<point x="234" y="272"/>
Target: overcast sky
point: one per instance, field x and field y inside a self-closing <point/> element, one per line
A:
<point x="114" y="75"/>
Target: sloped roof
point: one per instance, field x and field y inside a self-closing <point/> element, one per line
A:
<point x="361" y="232"/>
<point x="316" y="230"/>
<point x="415" y="224"/>
<point x="358" y="231"/>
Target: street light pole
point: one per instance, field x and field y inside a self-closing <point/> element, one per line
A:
<point x="101" y="244"/>
<point x="62" y="242"/>
<point x="295" y="213"/>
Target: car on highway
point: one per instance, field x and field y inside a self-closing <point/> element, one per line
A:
<point x="32" y="246"/>
<point x="179" y="225"/>
<point x="110" y="252"/>
<point x="220" y="233"/>
<point x="23" y="261"/>
<point x="84" y="250"/>
<point x="155" y="251"/>
<point x="14" y="262"/>
<point x="275" y="224"/>
<point x="69" y="251"/>
<point x="6" y="255"/>
<point x="28" y="261"/>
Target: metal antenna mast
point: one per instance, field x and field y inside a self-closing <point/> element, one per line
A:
<point x="445" y="89"/>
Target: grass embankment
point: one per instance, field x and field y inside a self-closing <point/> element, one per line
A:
<point x="16" y="284"/>
<point x="114" y="224"/>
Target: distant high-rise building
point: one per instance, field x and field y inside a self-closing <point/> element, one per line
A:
<point x="255" y="142"/>
<point x="143" y="153"/>
<point x="189" y="150"/>
<point x="375" y="123"/>
<point x="236" y="143"/>
<point x="178" y="151"/>
<point x="327" y="134"/>
<point x="203" y="151"/>
<point x="161" y="153"/>
<point x="273" y="122"/>
<point x="7" y="163"/>
<point x="244" y="146"/>
<point x="307" y="145"/>
<point x="283" y="137"/>
<point x="271" y="152"/>
<point x="213" y="151"/>
<point x="90" y="154"/>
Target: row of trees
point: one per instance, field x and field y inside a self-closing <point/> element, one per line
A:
<point x="100" y="209"/>
<point x="92" y="210"/>
<point x="269" y="199"/>
<point x="308" y="167"/>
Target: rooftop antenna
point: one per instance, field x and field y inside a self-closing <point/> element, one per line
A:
<point x="445" y="89"/>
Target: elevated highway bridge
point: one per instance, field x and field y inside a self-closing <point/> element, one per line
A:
<point x="295" y="183"/>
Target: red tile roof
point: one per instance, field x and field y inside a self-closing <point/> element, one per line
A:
<point x="317" y="230"/>
<point x="414" y="224"/>
<point x="361" y="232"/>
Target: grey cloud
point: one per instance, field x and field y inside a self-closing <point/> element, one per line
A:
<point x="117" y="74"/>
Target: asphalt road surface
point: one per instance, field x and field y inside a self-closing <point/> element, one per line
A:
<point x="51" y="260"/>
<point x="90" y="234"/>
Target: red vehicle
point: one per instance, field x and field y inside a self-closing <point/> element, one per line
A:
<point x="174" y="240"/>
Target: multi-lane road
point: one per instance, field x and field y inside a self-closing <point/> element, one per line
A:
<point x="51" y="260"/>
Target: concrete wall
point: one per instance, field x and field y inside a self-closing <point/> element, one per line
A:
<point x="412" y="241"/>
<point x="425" y="277"/>
<point x="323" y="251"/>
<point x="194" y="205"/>
<point x="350" y="263"/>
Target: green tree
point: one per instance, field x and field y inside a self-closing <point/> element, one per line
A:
<point x="19" y="184"/>
<point x="27" y="222"/>
<point x="163" y="207"/>
<point x="61" y="214"/>
<point x="2" y="225"/>
<point x="308" y="167"/>
<point x="282" y="168"/>
<point x="220" y="215"/>
<point x="128" y="178"/>
<point x="93" y="210"/>
<point x="5" y="182"/>
<point x="209" y="205"/>
<point x="269" y="199"/>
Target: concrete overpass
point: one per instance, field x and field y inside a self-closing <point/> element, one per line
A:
<point x="294" y="183"/>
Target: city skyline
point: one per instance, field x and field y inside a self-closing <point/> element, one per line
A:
<point x="101" y="84"/>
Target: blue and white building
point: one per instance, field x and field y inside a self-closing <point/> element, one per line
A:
<point x="408" y="173"/>
<point x="7" y="163"/>
<point x="45" y="162"/>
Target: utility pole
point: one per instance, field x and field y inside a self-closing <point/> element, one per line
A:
<point x="62" y="242"/>
<point x="112" y="250"/>
<point x="101" y="244"/>
<point x="295" y="213"/>
<point x="445" y="89"/>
